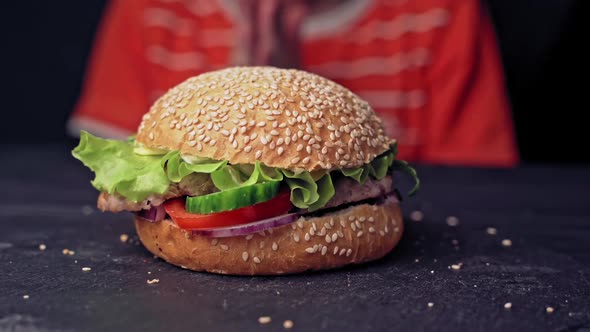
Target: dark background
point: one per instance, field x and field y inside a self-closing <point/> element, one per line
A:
<point x="45" y="46"/>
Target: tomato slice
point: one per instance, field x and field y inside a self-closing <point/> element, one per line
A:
<point x="281" y="204"/>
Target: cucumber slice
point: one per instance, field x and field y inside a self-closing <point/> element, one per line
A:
<point x="233" y="198"/>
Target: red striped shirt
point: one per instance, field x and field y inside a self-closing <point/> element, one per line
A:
<point x="430" y="68"/>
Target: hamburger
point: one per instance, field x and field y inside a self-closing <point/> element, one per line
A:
<point x="255" y="171"/>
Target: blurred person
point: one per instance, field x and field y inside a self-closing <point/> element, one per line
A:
<point x="430" y="68"/>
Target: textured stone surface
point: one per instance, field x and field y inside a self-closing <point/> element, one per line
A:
<point x="45" y="198"/>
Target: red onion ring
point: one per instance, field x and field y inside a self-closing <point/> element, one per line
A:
<point x="155" y="213"/>
<point x="245" y="229"/>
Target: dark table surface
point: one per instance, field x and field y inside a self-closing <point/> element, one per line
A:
<point x="46" y="198"/>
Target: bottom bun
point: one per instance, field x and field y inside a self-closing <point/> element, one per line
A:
<point x="354" y="235"/>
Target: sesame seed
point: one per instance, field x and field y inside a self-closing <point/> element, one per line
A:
<point x="359" y="234"/>
<point x="452" y="221"/>
<point x="249" y="237"/>
<point x="310" y="250"/>
<point x="261" y="243"/>
<point x="296" y="237"/>
<point x="333" y="238"/>
<point x="324" y="250"/>
<point x="342" y="223"/>
<point x="456" y="266"/>
<point x="258" y="154"/>
<point x="280" y="150"/>
<point x="214" y="242"/>
<point x="312" y="231"/>
<point x="507" y="305"/>
<point x="430" y="304"/>
<point x="224" y="247"/>
<point x="26" y="297"/>
<point x="417" y="215"/>
<point x="86" y="269"/>
<point x="288" y="324"/>
<point x="247" y="149"/>
<point x="256" y="260"/>
<point x="307" y="237"/>
<point x="386" y="229"/>
<point x="491" y="231"/>
<point x="299" y="147"/>
<point x="549" y="310"/>
<point x="353" y="226"/>
<point x="275" y="247"/>
<point x="340" y="234"/>
<point x="264" y="320"/>
<point x="506" y="242"/>
<point x="371" y="219"/>
<point x="396" y="230"/>
<point x="382" y="233"/>
<point x="348" y="252"/>
<point x="153" y="281"/>
<point x="371" y="229"/>
<point x="245" y="256"/>
<point x="295" y="160"/>
<point x="42" y="247"/>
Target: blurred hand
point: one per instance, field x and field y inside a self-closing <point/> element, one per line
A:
<point x="269" y="33"/>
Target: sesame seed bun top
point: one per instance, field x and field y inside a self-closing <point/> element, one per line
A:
<point x="289" y="119"/>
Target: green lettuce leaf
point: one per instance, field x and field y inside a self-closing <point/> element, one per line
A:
<point x="304" y="190"/>
<point x="177" y="168"/>
<point x="232" y="176"/>
<point x="119" y="170"/>
<point x="406" y="168"/>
